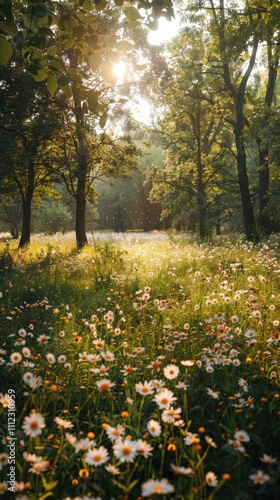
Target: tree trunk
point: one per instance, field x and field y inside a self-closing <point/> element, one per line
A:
<point x="202" y="223"/>
<point x="264" y="219"/>
<point x="82" y="160"/>
<point x="26" y="203"/>
<point x="201" y="196"/>
<point x="247" y="206"/>
<point x="26" y="223"/>
<point x="81" y="237"/>
<point x="80" y="223"/>
<point x="238" y="93"/>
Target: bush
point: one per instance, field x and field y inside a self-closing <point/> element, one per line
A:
<point x="52" y="217"/>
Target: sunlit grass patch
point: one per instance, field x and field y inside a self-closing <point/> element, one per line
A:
<point x="142" y="365"/>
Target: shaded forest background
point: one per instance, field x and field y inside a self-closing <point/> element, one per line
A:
<point x="79" y="154"/>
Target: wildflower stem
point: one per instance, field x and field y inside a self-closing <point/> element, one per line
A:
<point x="163" y="452"/>
<point x="218" y="487"/>
<point x="140" y="414"/>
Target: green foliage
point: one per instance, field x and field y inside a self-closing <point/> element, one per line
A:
<point x="198" y="141"/>
<point x="70" y="27"/>
<point x="6" y="51"/>
<point x="124" y="203"/>
<point x="52" y="217"/>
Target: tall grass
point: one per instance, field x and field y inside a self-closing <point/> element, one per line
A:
<point x="141" y="366"/>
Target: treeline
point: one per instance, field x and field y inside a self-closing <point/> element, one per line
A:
<point x="73" y="154"/>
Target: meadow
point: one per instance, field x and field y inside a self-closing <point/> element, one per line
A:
<point x="142" y="366"/>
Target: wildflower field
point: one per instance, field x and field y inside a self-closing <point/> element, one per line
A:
<point x="141" y="366"/>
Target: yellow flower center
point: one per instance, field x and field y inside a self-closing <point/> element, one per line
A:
<point x="105" y="387"/>
<point x="157" y="489"/>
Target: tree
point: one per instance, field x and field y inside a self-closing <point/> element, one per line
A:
<point x="66" y="43"/>
<point x="236" y="38"/>
<point x="197" y="139"/>
<point x="102" y="156"/>
<point x="266" y="109"/>
<point x="26" y="127"/>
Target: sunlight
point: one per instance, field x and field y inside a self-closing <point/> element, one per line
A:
<point x="165" y="32"/>
<point x="143" y="112"/>
<point x="119" y="70"/>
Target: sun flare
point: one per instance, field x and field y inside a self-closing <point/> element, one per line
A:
<point x="120" y="70"/>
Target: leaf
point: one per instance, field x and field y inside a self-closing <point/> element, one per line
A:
<point x="93" y="101"/>
<point x="119" y="485"/>
<point x="49" y="486"/>
<point x="103" y="120"/>
<point x="131" y="486"/>
<point x="56" y="65"/>
<point x="110" y="41"/>
<point x="63" y="80"/>
<point x="6" y="51"/>
<point x="8" y="26"/>
<point x="41" y="75"/>
<point x="52" y="51"/>
<point x="51" y="84"/>
<point x="114" y="56"/>
<point x="153" y="25"/>
<point x="95" y="61"/>
<point x="67" y="43"/>
<point x="131" y="13"/>
<point x="86" y="5"/>
<point x="74" y="75"/>
<point x="67" y="91"/>
<point x="133" y="24"/>
<point x="124" y="46"/>
<point x="100" y="4"/>
<point x="46" y="495"/>
<point x="67" y="23"/>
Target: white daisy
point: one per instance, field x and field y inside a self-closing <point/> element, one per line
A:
<point x="171" y="371"/>
<point x="126" y="450"/>
<point x="211" y="479"/>
<point x="33" y="424"/>
<point x="164" y="398"/>
<point x="170" y="415"/>
<point x="259" y="477"/>
<point x="15" y="358"/>
<point x="97" y="456"/>
<point x="144" y="448"/>
<point x="64" y="424"/>
<point x="145" y="388"/>
<point x="182" y="471"/>
<point x="156" y="487"/>
<point x="242" y="436"/>
<point x="114" y="433"/>
<point x="154" y="428"/>
<point x="104" y="385"/>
